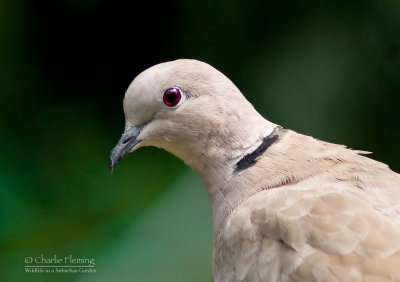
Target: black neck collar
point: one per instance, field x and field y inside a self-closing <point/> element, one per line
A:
<point x="251" y="158"/>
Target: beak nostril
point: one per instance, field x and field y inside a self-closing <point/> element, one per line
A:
<point x="126" y="140"/>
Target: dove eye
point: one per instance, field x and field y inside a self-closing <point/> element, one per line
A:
<point x="172" y="96"/>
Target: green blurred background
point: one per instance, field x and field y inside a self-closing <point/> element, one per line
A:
<point x="330" y="69"/>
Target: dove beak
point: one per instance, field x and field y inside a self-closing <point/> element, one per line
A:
<point x="127" y="142"/>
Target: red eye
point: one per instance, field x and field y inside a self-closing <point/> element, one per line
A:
<point x="172" y="96"/>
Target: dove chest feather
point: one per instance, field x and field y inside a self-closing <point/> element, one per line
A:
<point x="249" y="248"/>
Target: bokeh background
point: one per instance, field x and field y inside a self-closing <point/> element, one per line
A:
<point x="330" y="69"/>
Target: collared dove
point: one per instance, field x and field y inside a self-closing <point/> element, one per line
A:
<point x="286" y="207"/>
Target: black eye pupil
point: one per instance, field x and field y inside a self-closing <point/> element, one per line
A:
<point x="171" y="97"/>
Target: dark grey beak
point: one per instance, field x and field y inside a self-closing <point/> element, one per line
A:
<point x="125" y="144"/>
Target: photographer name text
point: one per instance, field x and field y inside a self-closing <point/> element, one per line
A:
<point x="59" y="264"/>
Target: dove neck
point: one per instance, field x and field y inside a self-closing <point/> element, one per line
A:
<point x="225" y="170"/>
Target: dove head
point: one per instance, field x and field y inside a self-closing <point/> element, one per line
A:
<point x="191" y="110"/>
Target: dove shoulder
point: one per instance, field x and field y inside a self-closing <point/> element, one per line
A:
<point x="323" y="213"/>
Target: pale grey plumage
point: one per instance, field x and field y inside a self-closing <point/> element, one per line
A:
<point x="302" y="210"/>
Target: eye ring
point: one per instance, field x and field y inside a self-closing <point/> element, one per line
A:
<point x="172" y="96"/>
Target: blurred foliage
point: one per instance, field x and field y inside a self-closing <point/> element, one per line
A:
<point x="328" y="69"/>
